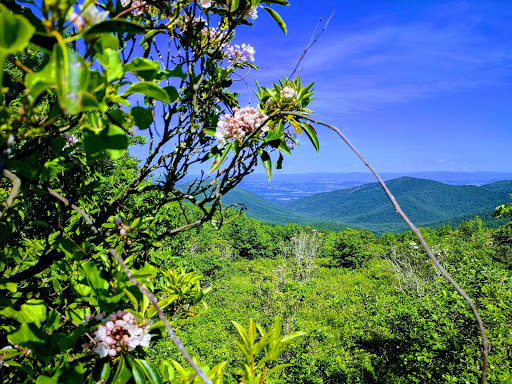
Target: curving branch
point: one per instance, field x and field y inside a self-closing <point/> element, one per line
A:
<point x="177" y="342"/>
<point x="16" y="183"/>
<point x="485" y="344"/>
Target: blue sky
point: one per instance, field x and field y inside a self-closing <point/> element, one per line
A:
<point x="416" y="85"/>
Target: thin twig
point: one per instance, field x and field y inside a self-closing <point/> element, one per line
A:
<point x="485" y="345"/>
<point x="177" y="342"/>
<point x="311" y="43"/>
<point x="16" y="183"/>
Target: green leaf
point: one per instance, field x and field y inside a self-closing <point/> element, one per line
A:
<point x="111" y="140"/>
<point x="123" y="373"/>
<point x="11" y="287"/>
<point x="137" y="372"/>
<point x="162" y="304"/>
<point x="150" y="90"/>
<point x="93" y="276"/>
<point x="176" y="72"/>
<point x="172" y="92"/>
<point x="310" y="131"/>
<point x="114" y="26"/>
<point x="133" y="300"/>
<point x="243" y="334"/>
<point x="219" y="158"/>
<point x="276" y="18"/>
<point x="33" y="311"/>
<point x="143" y="117"/>
<point x="72" y="77"/>
<point x="54" y="167"/>
<point x="104" y="373"/>
<point x="39" y="82"/>
<point x="150" y="371"/>
<point x="166" y="370"/>
<point x="234" y="5"/>
<point x="15" y="34"/>
<point x="53" y="321"/>
<point x="47" y="380"/>
<point x="106" y="41"/>
<point x="149" y="36"/>
<point x="278" y="368"/>
<point x="15" y="31"/>
<point x="267" y="162"/>
<point x="291" y="337"/>
<point x="30" y="336"/>
<point x="113" y="65"/>
<point x="142" y="67"/>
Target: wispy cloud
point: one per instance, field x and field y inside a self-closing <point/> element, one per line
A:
<point x="391" y="60"/>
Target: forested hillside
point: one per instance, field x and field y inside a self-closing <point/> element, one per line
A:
<point x="428" y="203"/>
<point x="424" y="201"/>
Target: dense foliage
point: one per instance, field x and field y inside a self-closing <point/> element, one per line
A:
<point x="374" y="309"/>
<point x="86" y="231"/>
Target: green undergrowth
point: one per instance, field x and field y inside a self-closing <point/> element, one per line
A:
<point x="361" y="324"/>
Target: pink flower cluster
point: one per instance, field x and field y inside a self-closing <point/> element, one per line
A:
<point x="134" y="3"/>
<point x="213" y="33"/>
<point x="239" y="124"/>
<point x="287" y="92"/>
<point x="119" y="332"/>
<point x="70" y="139"/>
<point x="240" y="53"/>
<point x="121" y="227"/>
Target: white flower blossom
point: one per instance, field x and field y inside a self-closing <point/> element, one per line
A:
<point x="70" y="140"/>
<point x="205" y="3"/>
<point x="252" y="13"/>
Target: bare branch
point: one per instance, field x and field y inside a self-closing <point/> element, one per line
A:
<point x="16" y="183"/>
<point x="476" y="314"/>
<point x="311" y="43"/>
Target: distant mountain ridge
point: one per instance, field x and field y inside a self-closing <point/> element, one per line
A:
<point x="286" y="187"/>
<point x="426" y="202"/>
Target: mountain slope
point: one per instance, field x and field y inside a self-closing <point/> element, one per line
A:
<point x="262" y="209"/>
<point x="502" y="186"/>
<point x="424" y="201"/>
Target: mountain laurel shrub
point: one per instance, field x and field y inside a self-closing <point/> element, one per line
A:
<point x="79" y="83"/>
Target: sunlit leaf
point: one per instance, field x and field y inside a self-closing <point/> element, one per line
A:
<point x="277" y="18"/>
<point x="72" y="77"/>
<point x="150" y="90"/>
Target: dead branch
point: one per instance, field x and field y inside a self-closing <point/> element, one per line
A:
<point x="476" y="314"/>
<point x="311" y="43"/>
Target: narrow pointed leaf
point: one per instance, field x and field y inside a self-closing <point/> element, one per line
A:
<point x="149" y="371"/>
<point x="276" y="18"/>
<point x="266" y="161"/>
<point x="311" y="132"/>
